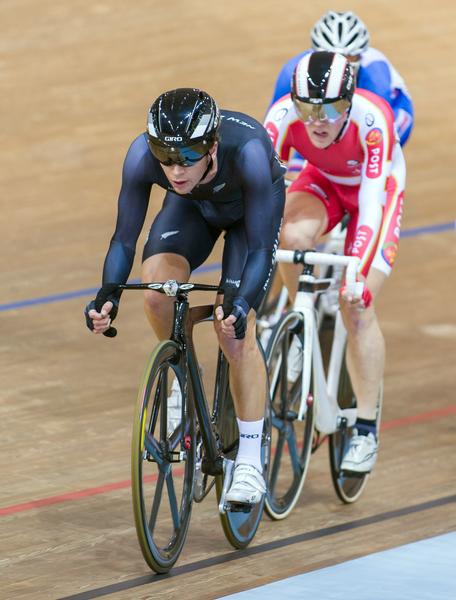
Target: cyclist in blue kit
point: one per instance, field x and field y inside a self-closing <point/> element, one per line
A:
<point x="221" y="175"/>
<point x="345" y="33"/>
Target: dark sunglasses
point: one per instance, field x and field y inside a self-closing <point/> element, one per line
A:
<point x="184" y="156"/>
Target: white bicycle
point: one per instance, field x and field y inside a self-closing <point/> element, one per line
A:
<point x="311" y="400"/>
<point x="275" y="305"/>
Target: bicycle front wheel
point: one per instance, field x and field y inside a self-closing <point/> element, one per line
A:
<point x="291" y="437"/>
<point x="239" y="527"/>
<point x="163" y="461"/>
<point x="348" y="486"/>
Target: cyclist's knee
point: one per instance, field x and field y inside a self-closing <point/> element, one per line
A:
<point x="295" y="235"/>
<point x="237" y="351"/>
<point x="155" y="303"/>
<point x="356" y="319"/>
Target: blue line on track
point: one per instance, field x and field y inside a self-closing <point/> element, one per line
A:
<point x="438" y="228"/>
<point x="415" y="231"/>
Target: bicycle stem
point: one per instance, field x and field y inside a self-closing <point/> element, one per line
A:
<point x="310" y="257"/>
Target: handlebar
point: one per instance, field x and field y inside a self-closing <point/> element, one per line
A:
<point x="170" y="287"/>
<point x="310" y="257"/>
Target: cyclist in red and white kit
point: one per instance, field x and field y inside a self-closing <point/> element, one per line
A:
<point x="354" y="164"/>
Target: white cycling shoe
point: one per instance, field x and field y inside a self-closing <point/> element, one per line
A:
<point x="247" y="486"/>
<point x="294" y="364"/>
<point x="174" y="407"/>
<point x="361" y="454"/>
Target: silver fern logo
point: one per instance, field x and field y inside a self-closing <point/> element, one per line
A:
<point x="168" y="234"/>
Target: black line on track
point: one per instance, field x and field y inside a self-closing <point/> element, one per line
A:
<point x="266" y="547"/>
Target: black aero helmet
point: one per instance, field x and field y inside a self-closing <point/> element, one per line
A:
<point x="324" y="80"/>
<point x="182" y="126"/>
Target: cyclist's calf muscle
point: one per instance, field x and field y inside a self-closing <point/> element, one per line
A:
<point x="247" y="371"/>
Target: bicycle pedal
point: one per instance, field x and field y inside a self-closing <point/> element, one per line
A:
<point x="237" y="507"/>
<point x="176" y="457"/>
<point x="291" y="415"/>
<point x="353" y="474"/>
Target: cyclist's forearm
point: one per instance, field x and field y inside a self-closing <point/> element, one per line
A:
<point x="255" y="276"/>
<point x="118" y="263"/>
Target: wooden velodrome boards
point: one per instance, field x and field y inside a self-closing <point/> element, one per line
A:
<point x="76" y="82"/>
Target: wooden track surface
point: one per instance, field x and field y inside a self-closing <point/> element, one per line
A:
<point x="76" y="81"/>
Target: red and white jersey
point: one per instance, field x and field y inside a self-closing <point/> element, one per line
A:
<point x="362" y="158"/>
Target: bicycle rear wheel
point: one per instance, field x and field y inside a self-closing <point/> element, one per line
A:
<point x="239" y="527"/>
<point x="162" y="463"/>
<point x="291" y="438"/>
<point x="349" y="486"/>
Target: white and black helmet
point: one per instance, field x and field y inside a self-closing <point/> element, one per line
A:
<point x="341" y="32"/>
<point x="322" y="78"/>
<point x="322" y="87"/>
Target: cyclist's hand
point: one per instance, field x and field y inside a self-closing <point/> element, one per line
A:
<point x="98" y="322"/>
<point x="235" y="324"/>
<point x="360" y="302"/>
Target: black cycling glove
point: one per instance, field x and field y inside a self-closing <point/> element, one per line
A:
<point x="97" y="304"/>
<point x="240" y="325"/>
<point x="239" y="308"/>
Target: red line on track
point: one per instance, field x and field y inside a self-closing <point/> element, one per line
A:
<point x="94" y="491"/>
<point x="119" y="485"/>
<point x="420" y="418"/>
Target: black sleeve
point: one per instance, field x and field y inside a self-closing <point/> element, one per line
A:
<point x="132" y="209"/>
<point x="264" y="204"/>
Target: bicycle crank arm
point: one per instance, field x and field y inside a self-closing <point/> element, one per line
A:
<point x="348" y="416"/>
<point x="224" y="506"/>
<point x="238" y="507"/>
<point x="228" y="467"/>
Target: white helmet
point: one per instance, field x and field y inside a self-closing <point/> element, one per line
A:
<point x="340" y="32"/>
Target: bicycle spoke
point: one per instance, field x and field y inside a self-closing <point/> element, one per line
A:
<point x="293" y="451"/>
<point x="172" y="498"/>
<point x="162" y="392"/>
<point x="284" y="376"/>
<point x="278" y="423"/>
<point x="154" y="415"/>
<point x="156" y="503"/>
<point x="153" y="448"/>
<point x="277" y="460"/>
<point x="275" y="376"/>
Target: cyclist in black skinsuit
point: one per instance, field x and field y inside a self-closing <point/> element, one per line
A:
<point x="221" y="175"/>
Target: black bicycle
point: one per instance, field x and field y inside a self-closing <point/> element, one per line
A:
<point x="171" y="469"/>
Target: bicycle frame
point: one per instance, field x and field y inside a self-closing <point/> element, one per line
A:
<point x="182" y="333"/>
<point x="325" y="388"/>
<point x="213" y="461"/>
<point x="333" y="245"/>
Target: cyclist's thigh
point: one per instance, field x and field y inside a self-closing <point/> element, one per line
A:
<point x="312" y="184"/>
<point x="160" y="267"/>
<point x="180" y="229"/>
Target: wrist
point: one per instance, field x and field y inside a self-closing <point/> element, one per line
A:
<point x="241" y="303"/>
